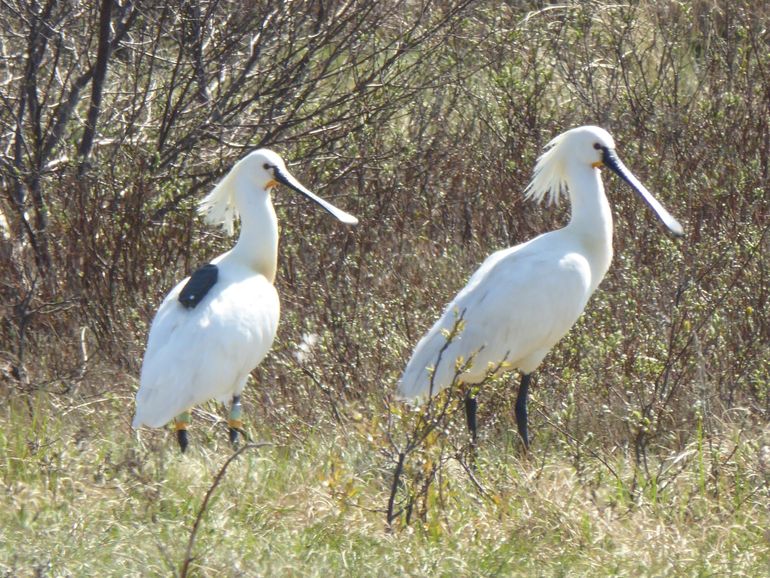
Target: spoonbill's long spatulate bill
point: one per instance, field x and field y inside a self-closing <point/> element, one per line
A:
<point x="612" y="161"/>
<point x="288" y="180"/>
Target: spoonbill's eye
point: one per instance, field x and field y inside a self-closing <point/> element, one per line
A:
<point x="597" y="146"/>
<point x="266" y="166"/>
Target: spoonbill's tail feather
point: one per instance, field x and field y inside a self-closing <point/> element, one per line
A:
<point x="432" y="365"/>
<point x="415" y="383"/>
<point x="156" y="406"/>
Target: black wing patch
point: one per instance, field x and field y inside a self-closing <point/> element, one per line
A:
<point x="198" y="286"/>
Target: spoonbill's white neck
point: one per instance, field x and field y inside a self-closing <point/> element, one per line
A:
<point x="257" y="245"/>
<point x="591" y="219"/>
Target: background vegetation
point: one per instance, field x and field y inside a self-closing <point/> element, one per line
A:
<point x="651" y="453"/>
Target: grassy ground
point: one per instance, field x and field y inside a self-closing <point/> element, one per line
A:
<point x="82" y="496"/>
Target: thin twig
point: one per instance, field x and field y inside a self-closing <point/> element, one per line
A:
<point x="219" y="477"/>
<point x="468" y="470"/>
<point x="581" y="444"/>
<point x="394" y="487"/>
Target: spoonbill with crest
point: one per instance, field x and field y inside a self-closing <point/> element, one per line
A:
<point x="524" y="299"/>
<point x="218" y="324"/>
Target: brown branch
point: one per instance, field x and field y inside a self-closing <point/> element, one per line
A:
<point x="183" y="572"/>
<point x="394" y="489"/>
<point x="97" y="84"/>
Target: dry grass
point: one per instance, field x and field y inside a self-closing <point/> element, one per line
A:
<point x="82" y="498"/>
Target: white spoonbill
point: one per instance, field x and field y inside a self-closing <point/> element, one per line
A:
<point x="217" y="325"/>
<point x="524" y="299"/>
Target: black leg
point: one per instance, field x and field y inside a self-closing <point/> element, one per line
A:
<point x="235" y="424"/>
<point x="521" y="408"/>
<point x="181" y="423"/>
<point x="181" y="437"/>
<point x="471" y="405"/>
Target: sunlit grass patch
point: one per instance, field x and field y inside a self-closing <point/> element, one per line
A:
<point x="105" y="504"/>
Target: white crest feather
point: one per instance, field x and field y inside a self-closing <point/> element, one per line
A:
<point x="218" y="207"/>
<point x="549" y="177"/>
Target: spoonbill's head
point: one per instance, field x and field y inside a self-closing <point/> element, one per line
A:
<point x="587" y="146"/>
<point x="259" y="168"/>
<point x="253" y="176"/>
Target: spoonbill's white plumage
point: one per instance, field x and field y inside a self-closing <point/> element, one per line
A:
<point x="217" y="325"/>
<point x="524" y="299"/>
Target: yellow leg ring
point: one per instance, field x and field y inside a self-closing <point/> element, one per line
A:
<point x="182" y="421"/>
